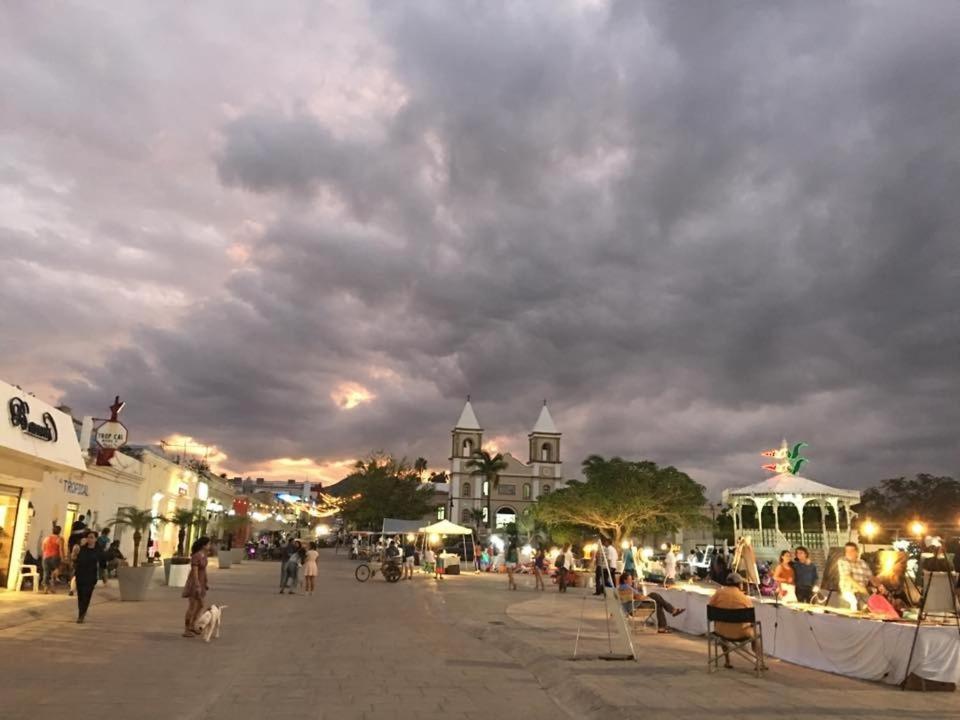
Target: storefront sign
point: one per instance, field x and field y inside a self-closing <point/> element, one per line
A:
<point x="76" y="488"/>
<point x="37" y="432"/>
<point x="20" y="418"/>
<point x="111" y="435"/>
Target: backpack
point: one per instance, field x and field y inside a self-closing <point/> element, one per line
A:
<point x="559" y="562"/>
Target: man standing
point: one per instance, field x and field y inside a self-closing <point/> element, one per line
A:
<point x="610" y="573"/>
<point x="805" y="573"/>
<point x="409" y="558"/>
<point x="598" y="560"/>
<point x="670" y="567"/>
<point x="855" y="577"/>
<point x="52" y="552"/>
<point x="103" y="544"/>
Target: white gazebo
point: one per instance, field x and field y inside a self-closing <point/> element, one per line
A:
<point x="789" y="489"/>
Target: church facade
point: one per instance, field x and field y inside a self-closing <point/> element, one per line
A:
<point x="520" y="484"/>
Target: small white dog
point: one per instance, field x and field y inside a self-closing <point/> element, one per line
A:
<point x="209" y="622"/>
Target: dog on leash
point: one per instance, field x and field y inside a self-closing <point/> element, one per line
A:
<point x="209" y="622"/>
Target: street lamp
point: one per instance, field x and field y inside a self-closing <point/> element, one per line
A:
<point x="869" y="529"/>
<point x="918" y="530"/>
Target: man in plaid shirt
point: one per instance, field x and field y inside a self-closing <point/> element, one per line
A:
<point x="855" y="576"/>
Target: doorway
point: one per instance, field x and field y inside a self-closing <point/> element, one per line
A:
<point x="9" y="504"/>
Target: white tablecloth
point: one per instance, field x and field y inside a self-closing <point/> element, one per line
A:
<point x="860" y="648"/>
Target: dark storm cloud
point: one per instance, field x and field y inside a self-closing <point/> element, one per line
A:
<point x="694" y="227"/>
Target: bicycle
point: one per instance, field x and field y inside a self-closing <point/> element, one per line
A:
<point x="391" y="572"/>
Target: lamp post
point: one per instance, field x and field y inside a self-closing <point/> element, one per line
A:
<point x="918" y="529"/>
<point x="868" y="529"/>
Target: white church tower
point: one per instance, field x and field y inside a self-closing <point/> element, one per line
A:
<point x="545" y="462"/>
<point x="466" y="438"/>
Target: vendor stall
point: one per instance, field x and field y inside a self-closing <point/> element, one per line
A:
<point x="445" y="527"/>
<point x="836" y="641"/>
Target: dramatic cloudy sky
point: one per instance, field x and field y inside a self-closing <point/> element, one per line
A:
<point x="300" y="231"/>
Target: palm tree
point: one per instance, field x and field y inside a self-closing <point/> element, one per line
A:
<point x="184" y="520"/>
<point x="482" y="464"/>
<point x="476" y="517"/>
<point x="140" y="521"/>
<point x="420" y="466"/>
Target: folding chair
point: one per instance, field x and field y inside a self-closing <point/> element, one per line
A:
<point x="719" y="646"/>
<point x="644" y="615"/>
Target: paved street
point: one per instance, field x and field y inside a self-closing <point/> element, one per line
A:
<point x="463" y="648"/>
<point x="351" y="651"/>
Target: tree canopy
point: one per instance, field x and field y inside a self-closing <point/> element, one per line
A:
<point x="623" y="497"/>
<point x="897" y="501"/>
<point x="383" y="487"/>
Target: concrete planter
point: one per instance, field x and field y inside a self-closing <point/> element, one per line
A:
<point x="134" y="582"/>
<point x="166" y="570"/>
<point x="224" y="559"/>
<point x="178" y="575"/>
<point x="236" y="554"/>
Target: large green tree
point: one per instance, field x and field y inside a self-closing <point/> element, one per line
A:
<point x="623" y="497"/>
<point x="384" y="487"/>
<point x="896" y="501"/>
<point x="488" y="467"/>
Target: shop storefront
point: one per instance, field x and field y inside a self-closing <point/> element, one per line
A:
<point x="36" y="440"/>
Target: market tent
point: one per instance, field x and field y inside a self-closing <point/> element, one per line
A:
<point x="445" y="527"/>
<point x="393" y="526"/>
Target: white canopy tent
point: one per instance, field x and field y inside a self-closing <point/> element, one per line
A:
<point x="445" y="527"/>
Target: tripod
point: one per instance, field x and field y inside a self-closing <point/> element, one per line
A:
<point x="922" y="612"/>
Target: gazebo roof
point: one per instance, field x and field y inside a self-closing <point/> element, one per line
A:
<point x="788" y="484"/>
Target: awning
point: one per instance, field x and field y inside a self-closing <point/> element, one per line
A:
<point x="393" y="526"/>
<point x="445" y="527"/>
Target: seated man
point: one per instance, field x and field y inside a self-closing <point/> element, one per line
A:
<point x="392" y="553"/>
<point x="856" y="577"/>
<point x="731" y="597"/>
<point x="629" y="595"/>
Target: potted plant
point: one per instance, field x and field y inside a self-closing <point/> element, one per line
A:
<point x="134" y="580"/>
<point x="232" y="526"/>
<point x="224" y="558"/>
<point x="178" y="569"/>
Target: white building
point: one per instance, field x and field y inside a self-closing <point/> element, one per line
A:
<point x="520" y="484"/>
<point x="36" y="440"/>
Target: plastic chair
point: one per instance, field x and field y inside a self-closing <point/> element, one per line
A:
<point x="29" y="571"/>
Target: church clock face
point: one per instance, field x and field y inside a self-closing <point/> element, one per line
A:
<point x="546" y="472"/>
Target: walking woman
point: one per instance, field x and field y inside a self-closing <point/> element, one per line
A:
<point x="86" y="572"/>
<point x="539" y="568"/>
<point x="511" y="564"/>
<point x="310" y="568"/>
<point x="196" y="588"/>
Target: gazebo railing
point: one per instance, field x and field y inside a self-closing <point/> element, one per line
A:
<point x="786" y="540"/>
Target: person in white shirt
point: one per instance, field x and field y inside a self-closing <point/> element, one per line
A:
<point x="669" y="567"/>
<point x="612" y="558"/>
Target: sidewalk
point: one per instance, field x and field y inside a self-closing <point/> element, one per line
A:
<point x="539" y="629"/>
<point x="17" y="608"/>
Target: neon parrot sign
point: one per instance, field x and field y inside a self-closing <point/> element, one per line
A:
<point x="788" y="459"/>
